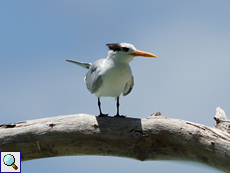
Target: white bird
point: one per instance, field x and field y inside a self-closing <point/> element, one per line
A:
<point x="112" y="76"/>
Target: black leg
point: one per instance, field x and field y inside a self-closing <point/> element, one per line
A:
<point x="99" y="105"/>
<point x="118" y="104"/>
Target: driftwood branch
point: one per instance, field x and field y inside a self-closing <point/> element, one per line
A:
<point x="152" y="138"/>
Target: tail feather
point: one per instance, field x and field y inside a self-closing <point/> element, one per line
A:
<point x="82" y="64"/>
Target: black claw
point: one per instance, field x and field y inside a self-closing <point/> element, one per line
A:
<point x="103" y="115"/>
<point x="121" y="116"/>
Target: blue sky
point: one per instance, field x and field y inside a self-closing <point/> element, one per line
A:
<point x="188" y="80"/>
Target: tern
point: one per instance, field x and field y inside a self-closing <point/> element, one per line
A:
<point x="112" y="76"/>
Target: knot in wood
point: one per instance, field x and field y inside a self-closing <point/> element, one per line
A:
<point x="224" y="126"/>
<point x="137" y="134"/>
<point x="50" y="124"/>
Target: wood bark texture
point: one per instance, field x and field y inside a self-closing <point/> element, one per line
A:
<point x="152" y="138"/>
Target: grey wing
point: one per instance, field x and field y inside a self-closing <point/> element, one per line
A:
<point x="128" y="87"/>
<point x="82" y="64"/>
<point x="93" y="78"/>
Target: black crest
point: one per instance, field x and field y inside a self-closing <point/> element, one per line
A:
<point x="114" y="46"/>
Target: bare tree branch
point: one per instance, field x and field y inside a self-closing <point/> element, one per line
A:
<point x="152" y="138"/>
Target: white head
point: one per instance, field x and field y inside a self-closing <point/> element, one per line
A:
<point x="125" y="52"/>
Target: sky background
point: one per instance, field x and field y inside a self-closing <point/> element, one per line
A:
<point x="188" y="80"/>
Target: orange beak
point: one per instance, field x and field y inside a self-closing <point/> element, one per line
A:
<point x="141" y="53"/>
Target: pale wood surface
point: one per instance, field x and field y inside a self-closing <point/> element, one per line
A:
<point x="152" y="138"/>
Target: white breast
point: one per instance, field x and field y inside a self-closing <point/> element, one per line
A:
<point x="114" y="79"/>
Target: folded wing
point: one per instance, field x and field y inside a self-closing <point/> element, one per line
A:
<point x="128" y="87"/>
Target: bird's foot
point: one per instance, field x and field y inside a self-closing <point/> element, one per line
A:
<point x="103" y="115"/>
<point x="121" y="116"/>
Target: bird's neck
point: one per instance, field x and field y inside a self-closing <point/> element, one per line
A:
<point x="122" y="59"/>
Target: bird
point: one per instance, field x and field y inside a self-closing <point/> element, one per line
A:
<point x="112" y="76"/>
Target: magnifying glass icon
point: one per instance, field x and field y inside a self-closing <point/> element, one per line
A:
<point x="9" y="160"/>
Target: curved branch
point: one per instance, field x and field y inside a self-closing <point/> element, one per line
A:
<point x="151" y="138"/>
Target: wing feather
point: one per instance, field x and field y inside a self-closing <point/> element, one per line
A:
<point x="93" y="77"/>
<point x="128" y="87"/>
<point x="82" y="64"/>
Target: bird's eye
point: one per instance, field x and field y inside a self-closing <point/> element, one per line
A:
<point x="125" y="49"/>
